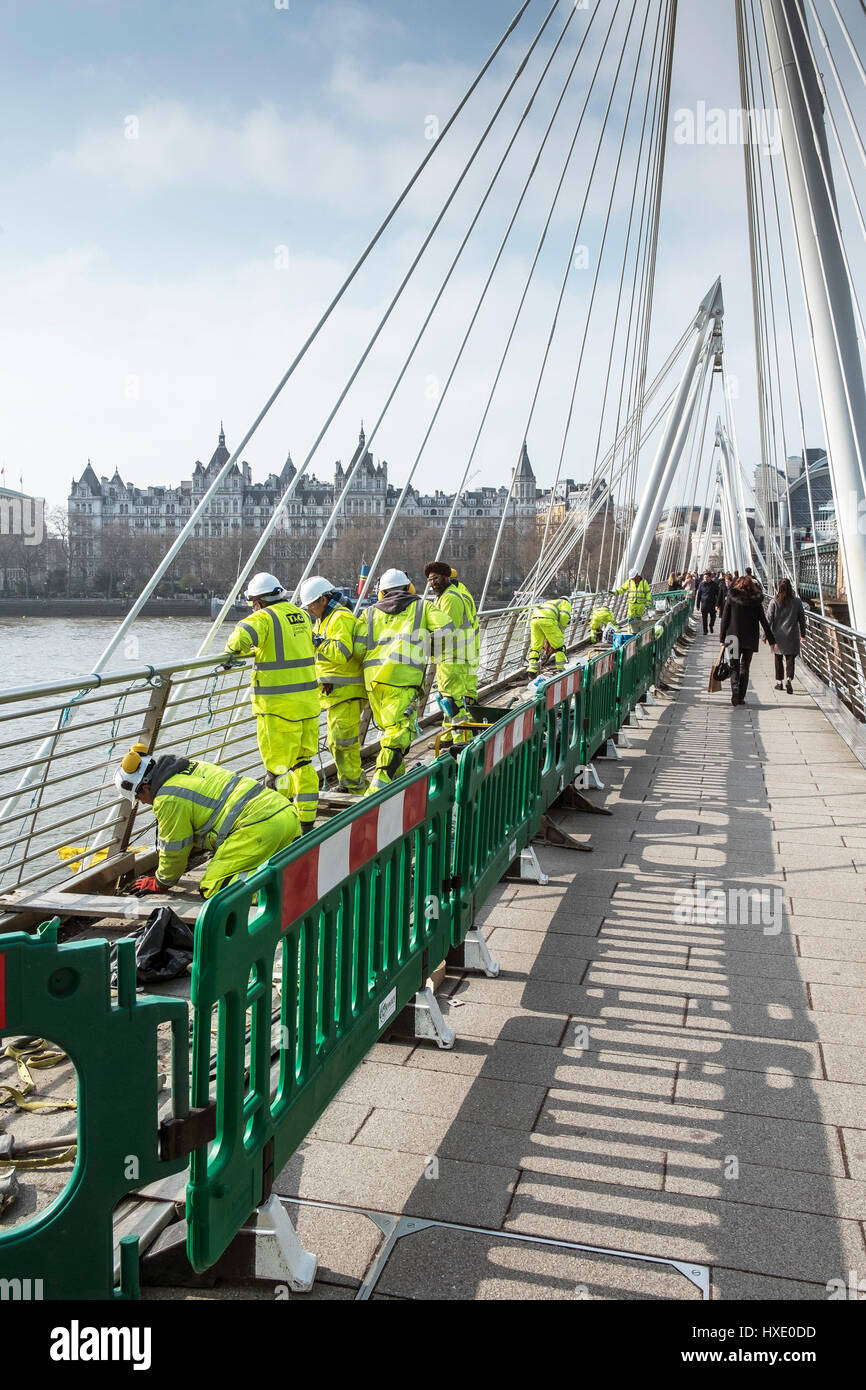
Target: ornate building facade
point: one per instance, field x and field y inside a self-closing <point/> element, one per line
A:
<point x="96" y="503"/>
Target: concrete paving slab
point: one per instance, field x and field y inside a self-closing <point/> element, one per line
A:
<point x="442" y="1263"/>
<point x="697" y="1137"/>
<point x="764" y="1240"/>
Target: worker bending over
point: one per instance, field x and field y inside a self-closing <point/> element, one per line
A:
<point x="201" y="806"/>
<point x="547" y="626"/>
<point x="457" y="674"/>
<point x="340" y="673"/>
<point x="394" y="638"/>
<point x="600" y="618"/>
<point x="283" y="691"/>
<point x="639" y="595"/>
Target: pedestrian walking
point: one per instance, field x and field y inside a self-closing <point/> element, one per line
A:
<point x="706" y="599"/>
<point x="787" y="617"/>
<point x="742" y="617"/>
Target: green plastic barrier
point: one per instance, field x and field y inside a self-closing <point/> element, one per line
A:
<point x="62" y="993"/>
<point x="563" y="732"/>
<point x="637" y="668"/>
<point x="357" y="913"/>
<point x="498" y="807"/>
<point x="601" y="715"/>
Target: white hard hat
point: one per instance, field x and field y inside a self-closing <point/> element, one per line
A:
<point x="314" y="587"/>
<point x="135" y="766"/>
<point x="263" y="585"/>
<point x="394" y="579"/>
<point x="635" y="574"/>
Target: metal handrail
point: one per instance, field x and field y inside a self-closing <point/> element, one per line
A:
<point x="71" y="796"/>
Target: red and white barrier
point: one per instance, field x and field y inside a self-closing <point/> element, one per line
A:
<point x="324" y="866"/>
<point x="559" y="690"/>
<point x="515" y="732"/>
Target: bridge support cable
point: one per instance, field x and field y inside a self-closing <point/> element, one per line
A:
<point x="637" y="383"/>
<point x="697" y="455"/>
<point x="404" y="493"/>
<point x="571" y="530"/>
<point x="562" y="288"/>
<point x="855" y="131"/>
<point x="645" y="262"/>
<point x="671" y="535"/>
<point x="825" y="282"/>
<point x="828" y="108"/>
<point x="515" y="321"/>
<point x="443" y="395"/>
<point x="513" y="329"/>
<point x="756" y="69"/>
<point x="733" y="540"/>
<point x="670" y="447"/>
<point x="188" y="528"/>
<point x="660" y="29"/>
<point x="290" y="490"/>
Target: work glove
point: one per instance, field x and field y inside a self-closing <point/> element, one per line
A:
<point x="230" y="661"/>
<point x="318" y="639"/>
<point x="147" y="884"/>
<point x="326" y="688"/>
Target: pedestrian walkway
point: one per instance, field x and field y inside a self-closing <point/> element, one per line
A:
<point x="641" y="1078"/>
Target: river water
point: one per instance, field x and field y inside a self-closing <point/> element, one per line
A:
<point x="33" y="650"/>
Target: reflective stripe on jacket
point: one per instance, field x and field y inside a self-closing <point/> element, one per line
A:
<point x="337" y="664"/>
<point x="283" y="681"/>
<point x="557" y="608"/>
<point x="200" y="807"/>
<point x="457" y="606"/>
<point x="396" y="647"/>
<point x="639" y="596"/>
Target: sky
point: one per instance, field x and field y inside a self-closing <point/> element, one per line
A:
<point x="186" y="186"/>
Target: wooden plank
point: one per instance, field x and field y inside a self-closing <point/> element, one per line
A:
<point x="53" y="903"/>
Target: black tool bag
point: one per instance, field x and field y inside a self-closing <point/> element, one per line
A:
<point x="163" y="948"/>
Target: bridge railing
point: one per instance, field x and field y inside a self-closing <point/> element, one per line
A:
<point x="837" y="655"/>
<point x="61" y="741"/>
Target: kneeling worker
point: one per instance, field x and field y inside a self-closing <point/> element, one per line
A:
<point x="393" y="638"/>
<point x="202" y="806"/>
<point x="340" y="674"/>
<point x="547" y="624"/>
<point x="283" y="691"/>
<point x="453" y="676"/>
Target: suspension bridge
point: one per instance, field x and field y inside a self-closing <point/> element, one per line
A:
<point x="577" y="1005"/>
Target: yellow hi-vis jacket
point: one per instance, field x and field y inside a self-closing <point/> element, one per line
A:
<point x="639" y="596"/>
<point x="337" y="664"/>
<point x="200" y="808"/>
<point x="397" y="645"/>
<point x="458" y="606"/>
<point x="283" y="681"/>
<point x="557" y="608"/>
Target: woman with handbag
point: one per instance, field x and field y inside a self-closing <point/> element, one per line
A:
<point x="742" y="617"/>
<point x="787" y="618"/>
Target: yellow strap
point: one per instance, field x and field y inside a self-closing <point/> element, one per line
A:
<point x="38" y="1056"/>
<point x="17" y="1098"/>
<point x="67" y="1155"/>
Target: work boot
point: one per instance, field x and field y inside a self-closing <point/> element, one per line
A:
<point x="789" y="687"/>
<point x="778" y="685"/>
<point x="352" y="789"/>
<point x="307" y="826"/>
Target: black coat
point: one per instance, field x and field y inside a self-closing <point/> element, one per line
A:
<point x="707" y="594"/>
<point x="742" y="617"/>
